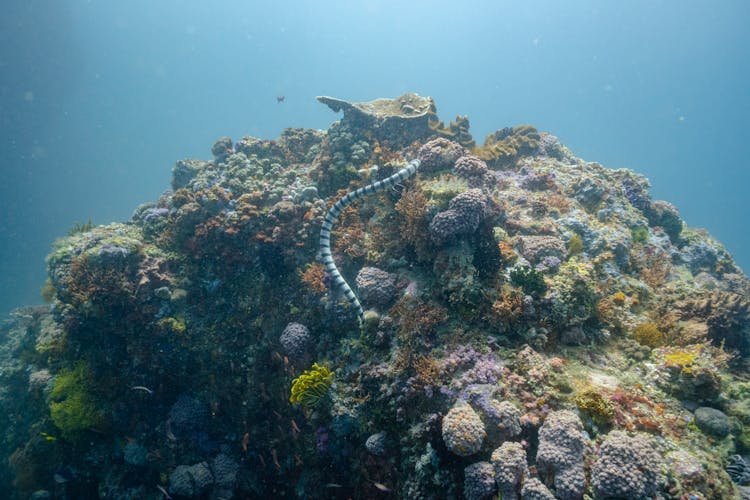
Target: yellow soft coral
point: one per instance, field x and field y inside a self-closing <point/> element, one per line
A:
<point x="310" y="387"/>
<point x="682" y="358"/>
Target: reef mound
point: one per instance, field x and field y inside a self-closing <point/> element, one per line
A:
<point x="536" y="325"/>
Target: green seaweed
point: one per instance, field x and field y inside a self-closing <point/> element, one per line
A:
<point x="73" y="407"/>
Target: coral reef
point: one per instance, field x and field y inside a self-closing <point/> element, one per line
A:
<point x="537" y="327"/>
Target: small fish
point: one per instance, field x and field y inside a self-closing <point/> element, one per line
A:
<point x="275" y="459"/>
<point x="334" y="485"/>
<point x="170" y="434"/>
<point x="280" y="98"/>
<point x="164" y="492"/>
<point x="295" y="427"/>
<point x="141" y="388"/>
<point x="49" y="438"/>
<point x="381" y="487"/>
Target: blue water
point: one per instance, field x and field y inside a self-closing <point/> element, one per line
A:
<point x="99" y="98"/>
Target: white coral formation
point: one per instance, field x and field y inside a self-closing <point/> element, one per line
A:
<point x="560" y="454"/>
<point x="463" y="430"/>
<point x="627" y="467"/>
<point x="509" y="462"/>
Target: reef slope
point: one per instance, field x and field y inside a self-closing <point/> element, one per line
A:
<point x="536" y="326"/>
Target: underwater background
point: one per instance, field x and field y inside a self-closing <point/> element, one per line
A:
<point x="98" y="99"/>
<point x="366" y="250"/>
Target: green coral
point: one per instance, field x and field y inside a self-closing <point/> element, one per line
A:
<point x="72" y="406"/>
<point x="575" y="245"/>
<point x="441" y="190"/>
<point x="81" y="227"/>
<point x="639" y="234"/>
<point x="529" y="279"/>
<point x="310" y="387"/>
<point x="575" y="298"/>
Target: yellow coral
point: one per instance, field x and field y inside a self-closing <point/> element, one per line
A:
<point x="682" y="358"/>
<point x="595" y="405"/>
<point x="310" y="387"/>
<point x="648" y="334"/>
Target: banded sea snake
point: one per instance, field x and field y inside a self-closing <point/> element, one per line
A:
<point x="325" y="232"/>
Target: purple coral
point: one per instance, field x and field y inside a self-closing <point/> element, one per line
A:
<point x="439" y="154"/>
<point x="154" y="213"/>
<point x="627" y="467"/>
<point x="187" y="415"/>
<point x="479" y="481"/>
<point x="509" y="462"/>
<point x="295" y="340"/>
<point x="486" y="370"/>
<point x="472" y="169"/>
<point x="536" y="248"/>
<point x="465" y="212"/>
<point x="190" y="480"/>
<point x="534" y="489"/>
<point x="376" y="287"/>
<point x="560" y="454"/>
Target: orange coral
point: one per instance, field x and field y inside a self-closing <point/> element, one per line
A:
<point x="313" y="276"/>
<point x="509" y="306"/>
<point x="350" y="234"/>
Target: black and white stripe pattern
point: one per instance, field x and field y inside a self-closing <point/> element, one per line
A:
<point x="325" y="232"/>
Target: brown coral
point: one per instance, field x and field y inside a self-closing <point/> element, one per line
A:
<point x="727" y="316"/>
<point x="503" y="147"/>
<point x="414" y="224"/>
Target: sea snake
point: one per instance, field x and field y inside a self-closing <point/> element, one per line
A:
<point x="332" y="215"/>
